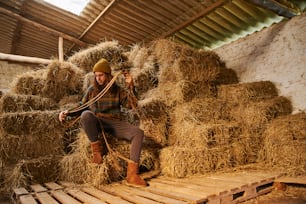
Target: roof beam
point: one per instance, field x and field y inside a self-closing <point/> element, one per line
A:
<point x="103" y="12"/>
<point x="195" y="18"/>
<point x="43" y="27"/>
<point x="276" y="7"/>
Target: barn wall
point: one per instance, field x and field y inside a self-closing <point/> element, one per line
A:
<point x="277" y="54"/>
<point x="8" y="72"/>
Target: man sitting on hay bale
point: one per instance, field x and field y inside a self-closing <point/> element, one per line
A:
<point x="100" y="110"/>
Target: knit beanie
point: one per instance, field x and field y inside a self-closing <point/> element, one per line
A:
<point x="102" y="66"/>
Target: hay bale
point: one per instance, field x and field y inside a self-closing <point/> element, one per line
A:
<point x="87" y="58"/>
<point x="28" y="172"/>
<point x="62" y="79"/>
<point x="21" y="103"/>
<point x="246" y="92"/>
<point x="285" y="144"/>
<point x="153" y="116"/>
<point x="26" y="123"/>
<point x="77" y="167"/>
<point x="226" y="76"/>
<point x="205" y="135"/>
<point x="14" y="148"/>
<point x="68" y="102"/>
<point x="175" y="93"/>
<point x="201" y="110"/>
<point x="179" y="62"/>
<point x="88" y="81"/>
<point x="258" y="114"/>
<point x="144" y="69"/>
<point x="29" y="83"/>
<point x="180" y="161"/>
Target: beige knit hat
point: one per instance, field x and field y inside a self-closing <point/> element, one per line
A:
<point x="102" y="66"/>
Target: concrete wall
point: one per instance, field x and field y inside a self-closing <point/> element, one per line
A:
<point x="8" y="72"/>
<point x="277" y="54"/>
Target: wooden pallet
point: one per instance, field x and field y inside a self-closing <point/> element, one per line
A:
<point x="217" y="189"/>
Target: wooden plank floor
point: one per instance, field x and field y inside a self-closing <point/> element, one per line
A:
<point x="216" y="189"/>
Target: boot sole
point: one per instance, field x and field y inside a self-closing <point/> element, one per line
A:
<point x="133" y="185"/>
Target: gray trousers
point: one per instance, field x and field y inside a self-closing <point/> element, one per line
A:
<point x="121" y="129"/>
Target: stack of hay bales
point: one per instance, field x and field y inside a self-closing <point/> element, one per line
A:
<point x="253" y="105"/>
<point x="32" y="138"/>
<point x="285" y="144"/>
<point x="203" y="120"/>
<point x="77" y="166"/>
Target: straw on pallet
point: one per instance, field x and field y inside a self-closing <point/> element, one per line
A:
<point x="20" y="103"/>
<point x="285" y="144"/>
<point x="27" y="172"/>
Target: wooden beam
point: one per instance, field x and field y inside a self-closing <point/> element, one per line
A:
<point x="105" y="10"/>
<point x="24" y="59"/>
<point x="43" y="28"/>
<point x="60" y="49"/>
<point x="195" y="18"/>
<point x="276" y="7"/>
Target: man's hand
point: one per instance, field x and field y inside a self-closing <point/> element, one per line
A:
<point x="62" y="115"/>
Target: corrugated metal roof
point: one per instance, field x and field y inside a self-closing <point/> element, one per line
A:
<point x="32" y="27"/>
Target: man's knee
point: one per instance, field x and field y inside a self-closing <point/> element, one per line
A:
<point x="87" y="115"/>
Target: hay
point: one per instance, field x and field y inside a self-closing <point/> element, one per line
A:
<point x="285" y="144"/>
<point x="246" y="92"/>
<point x="29" y="83"/>
<point x="258" y="114"/>
<point x="88" y="81"/>
<point x="201" y="110"/>
<point x="32" y="171"/>
<point x="144" y="69"/>
<point x="21" y="103"/>
<point x="14" y="148"/>
<point x="153" y="118"/>
<point x="78" y="168"/>
<point x="183" y="91"/>
<point x="68" y="102"/>
<point x="62" y="79"/>
<point x="178" y="62"/>
<point x="26" y="123"/>
<point x="87" y="58"/>
<point x="205" y="135"/>
<point x="176" y="161"/>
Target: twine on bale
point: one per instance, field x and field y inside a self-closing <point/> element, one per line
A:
<point x="92" y="101"/>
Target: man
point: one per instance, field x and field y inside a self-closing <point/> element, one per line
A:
<point x="106" y="113"/>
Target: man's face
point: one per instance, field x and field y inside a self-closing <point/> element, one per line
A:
<point x="100" y="77"/>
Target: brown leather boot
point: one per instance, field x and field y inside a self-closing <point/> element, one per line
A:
<point x="132" y="178"/>
<point x="96" y="152"/>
